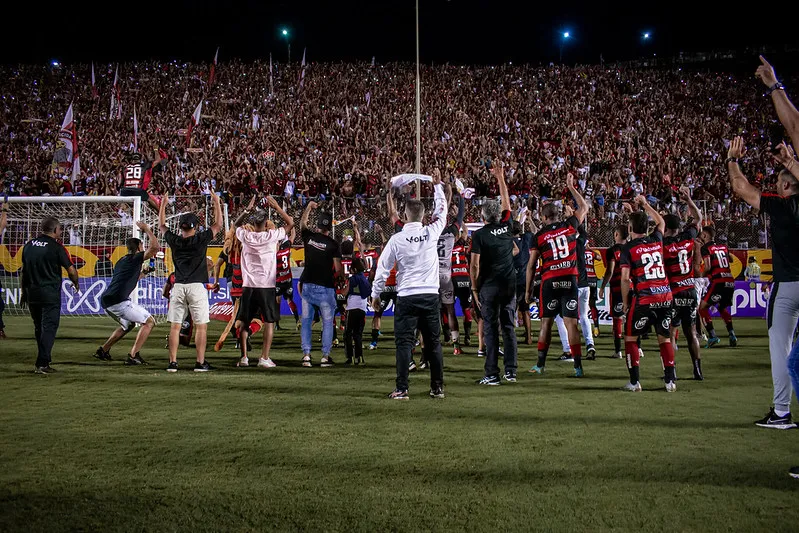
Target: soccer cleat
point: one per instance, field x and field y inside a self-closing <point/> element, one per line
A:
<point x="794" y="472"/>
<point x="481" y="353"/>
<point x="412" y="366"/>
<point x="173" y="367"/>
<point x="712" y="341"/>
<point x="698" y="375"/>
<point x="203" y="367"/>
<point x="102" y="355"/>
<point x="671" y="386"/>
<point x="595" y="331"/>
<point x="771" y="420"/>
<point x="510" y="377"/>
<point x="423" y="365"/>
<point x="457" y="350"/>
<point x="618" y="355"/>
<point x="566" y="358"/>
<point x="243" y="362"/>
<point x="136" y="360"/>
<point x="733" y="340"/>
<point x="326" y="362"/>
<point x="630" y="387"/>
<point x="399" y="395"/>
<point x="306" y="361"/>
<point x="437" y="393"/>
<point x="44" y="369"/>
<point x="537" y="370"/>
<point x="640" y="353"/>
<point x="373" y="345"/>
<point x="489" y="380"/>
<point x="578" y="372"/>
<point x="590" y="353"/>
<point x="266" y="363"/>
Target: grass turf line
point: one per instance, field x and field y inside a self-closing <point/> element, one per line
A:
<point x="100" y="446"/>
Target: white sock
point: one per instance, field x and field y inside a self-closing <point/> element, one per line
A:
<point x="454" y="335"/>
<point x="781" y="413"/>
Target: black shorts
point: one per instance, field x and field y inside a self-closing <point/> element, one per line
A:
<point x="463" y="293"/>
<point x="684" y="308"/>
<point x="640" y="317"/>
<point x="258" y="303"/>
<point x="388" y="296"/>
<point x="285" y="289"/>
<point x="558" y="297"/>
<point x="616" y="304"/>
<point x="719" y="294"/>
<point x="130" y="191"/>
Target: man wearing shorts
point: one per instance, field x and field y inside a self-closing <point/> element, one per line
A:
<point x="446" y="243"/>
<point x="716" y="258"/>
<point x="118" y="305"/>
<point x="613" y="279"/>
<point x="284" y="287"/>
<point x="189" y="250"/>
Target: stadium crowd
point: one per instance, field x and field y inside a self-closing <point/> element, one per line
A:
<point x="348" y="126"/>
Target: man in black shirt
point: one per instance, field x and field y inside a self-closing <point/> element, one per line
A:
<point x="42" y="261"/>
<point x="189" y="294"/>
<point x="117" y="303"/>
<point x="494" y="282"/>
<point x="317" y="283"/>
<point x="3" y="222"/>
<point x="524" y="241"/>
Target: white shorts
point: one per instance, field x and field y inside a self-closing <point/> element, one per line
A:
<point x="189" y="298"/>
<point x="128" y="313"/>
<point x="446" y="290"/>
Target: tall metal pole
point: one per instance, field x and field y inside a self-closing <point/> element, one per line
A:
<point x="418" y="110"/>
<point x="289" y="45"/>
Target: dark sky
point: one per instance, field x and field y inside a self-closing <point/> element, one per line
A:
<point x="461" y="31"/>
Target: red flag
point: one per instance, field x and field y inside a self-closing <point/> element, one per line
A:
<point x="195" y="120"/>
<point x="213" y="68"/>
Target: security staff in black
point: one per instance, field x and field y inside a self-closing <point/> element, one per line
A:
<point x="494" y="282"/>
<point x="42" y="261"/>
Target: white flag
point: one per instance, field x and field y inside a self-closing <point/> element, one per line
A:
<point x="66" y="148"/>
<point x="271" y="84"/>
<point x="116" y="100"/>
<point x="135" y="130"/>
<point x="404" y="179"/>
<point x="94" y="86"/>
<point x="195" y="121"/>
<point x="368" y="98"/>
<point x="302" y="73"/>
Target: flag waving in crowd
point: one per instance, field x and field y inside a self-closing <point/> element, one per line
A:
<point x="213" y="68"/>
<point x="66" y="149"/>
<point x="94" y="85"/>
<point x="116" y="100"/>
<point x="135" y="131"/>
<point x="271" y="83"/>
<point x="302" y="72"/>
<point x="195" y="120"/>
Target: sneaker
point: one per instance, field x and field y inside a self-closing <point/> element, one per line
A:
<point x="537" y="370"/>
<point x="590" y="353"/>
<point x="243" y="362"/>
<point x="671" y="386"/>
<point x="44" y="369"/>
<point x="203" y="367"/>
<point x="457" y="350"/>
<point x="399" y="395"/>
<point x="566" y="358"/>
<point x="102" y="355"/>
<point x="510" y="377"/>
<point x="326" y="362"/>
<point x="733" y="340"/>
<point x="173" y="367"/>
<point x="794" y="472"/>
<point x="335" y="343"/>
<point x="467" y="341"/>
<point x="139" y="360"/>
<point x="418" y="343"/>
<point x="578" y="372"/>
<point x="618" y="355"/>
<point x="704" y="337"/>
<point x="424" y="365"/>
<point x="306" y="361"/>
<point x="135" y="360"/>
<point x="629" y="387"/>
<point x="712" y="342"/>
<point x="481" y="353"/>
<point x="373" y="345"/>
<point x="489" y="380"/>
<point x="266" y="363"/>
<point x="771" y="420"/>
<point x="437" y="393"/>
<point x="412" y="366"/>
<point x="595" y="331"/>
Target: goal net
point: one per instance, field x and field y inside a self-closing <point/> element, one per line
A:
<point x="94" y="231"/>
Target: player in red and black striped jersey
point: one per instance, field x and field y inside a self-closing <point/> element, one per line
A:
<point x="641" y="262"/>
<point x="613" y="280"/>
<point x="284" y="284"/>
<point x="681" y="262"/>
<point x="716" y="259"/>
<point x="462" y="282"/>
<point x="556" y="244"/>
<point x="136" y="176"/>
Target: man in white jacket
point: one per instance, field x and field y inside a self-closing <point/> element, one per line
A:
<point x="414" y="250"/>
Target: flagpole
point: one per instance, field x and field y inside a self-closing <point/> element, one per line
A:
<point x="418" y="110"/>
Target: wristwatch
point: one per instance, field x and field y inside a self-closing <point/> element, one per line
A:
<point x="776" y="87"/>
<point x="732" y="160"/>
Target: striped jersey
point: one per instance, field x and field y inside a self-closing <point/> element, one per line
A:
<point x="644" y="258"/>
<point x="719" y="261"/>
<point x="679" y="259"/>
<point x="283" y="256"/>
<point x="557" y="245"/>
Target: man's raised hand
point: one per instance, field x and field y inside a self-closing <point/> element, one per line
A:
<point x="736" y="148"/>
<point x="765" y="72"/>
<point x="142" y="226"/>
<point x="570" y="180"/>
<point x="685" y="192"/>
<point x="498" y="170"/>
<point x="436" y="176"/>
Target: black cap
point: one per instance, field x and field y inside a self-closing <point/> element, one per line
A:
<point x="325" y="221"/>
<point x="189" y="221"/>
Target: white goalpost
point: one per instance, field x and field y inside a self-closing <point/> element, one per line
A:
<point x="94" y="231"/>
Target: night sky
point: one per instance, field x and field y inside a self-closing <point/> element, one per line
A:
<point x="460" y="31"/>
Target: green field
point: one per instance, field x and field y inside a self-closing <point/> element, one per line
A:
<point x="103" y="447"/>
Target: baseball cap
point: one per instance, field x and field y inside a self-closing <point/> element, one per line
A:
<point x="189" y="221"/>
<point x="325" y="221"/>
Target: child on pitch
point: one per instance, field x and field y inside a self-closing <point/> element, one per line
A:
<point x="358" y="290"/>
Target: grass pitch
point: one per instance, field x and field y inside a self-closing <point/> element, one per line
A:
<point x="103" y="447"/>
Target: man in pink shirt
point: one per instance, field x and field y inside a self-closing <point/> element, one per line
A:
<point x="258" y="265"/>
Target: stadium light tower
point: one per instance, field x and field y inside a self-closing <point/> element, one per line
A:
<point x="646" y="36"/>
<point x="285" y="33"/>
<point x="566" y="36"/>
